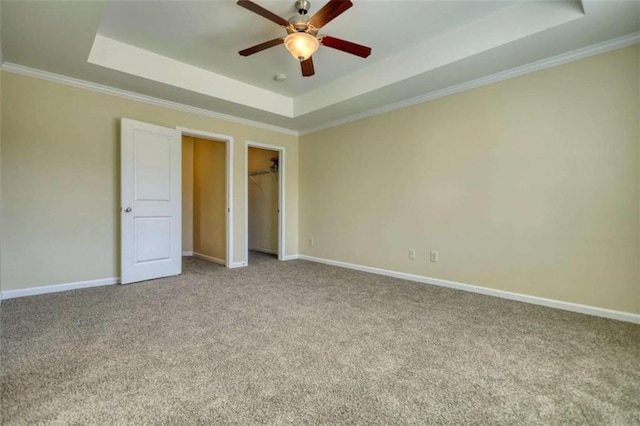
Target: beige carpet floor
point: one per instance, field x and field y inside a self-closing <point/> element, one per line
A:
<point x="303" y="343"/>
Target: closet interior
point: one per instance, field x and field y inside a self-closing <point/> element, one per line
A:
<point x="263" y="198"/>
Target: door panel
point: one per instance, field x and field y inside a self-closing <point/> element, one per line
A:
<point x="155" y="233"/>
<point x="151" y="201"/>
<point x="152" y="167"/>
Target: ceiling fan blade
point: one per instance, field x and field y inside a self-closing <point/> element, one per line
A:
<point x="346" y="46"/>
<point x="307" y="67"/>
<point x="255" y="8"/>
<point x="262" y="46"/>
<point x="329" y="12"/>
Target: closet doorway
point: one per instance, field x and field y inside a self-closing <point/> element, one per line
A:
<point x="265" y="216"/>
<point x="206" y="196"/>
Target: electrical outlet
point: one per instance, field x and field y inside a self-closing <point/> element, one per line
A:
<point x="412" y="254"/>
<point x="434" y="256"/>
<point x="311" y="242"/>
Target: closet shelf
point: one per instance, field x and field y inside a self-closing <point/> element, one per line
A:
<point x="263" y="172"/>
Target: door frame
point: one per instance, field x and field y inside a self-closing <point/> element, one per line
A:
<point x="281" y="195"/>
<point x="228" y="141"/>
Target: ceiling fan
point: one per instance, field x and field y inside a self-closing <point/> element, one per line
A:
<point x="302" y="38"/>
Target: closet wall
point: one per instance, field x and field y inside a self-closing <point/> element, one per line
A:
<point x="263" y="202"/>
<point x="203" y="198"/>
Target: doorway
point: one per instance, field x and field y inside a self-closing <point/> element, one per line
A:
<point x="206" y="200"/>
<point x="264" y="199"/>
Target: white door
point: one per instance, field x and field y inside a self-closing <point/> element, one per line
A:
<point x="151" y="209"/>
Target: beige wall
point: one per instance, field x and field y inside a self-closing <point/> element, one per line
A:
<point x="60" y="179"/>
<point x="263" y="202"/>
<point x="529" y="185"/>
<point x="209" y="198"/>
<point x="187" y="194"/>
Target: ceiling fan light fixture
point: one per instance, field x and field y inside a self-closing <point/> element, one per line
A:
<point x="301" y="45"/>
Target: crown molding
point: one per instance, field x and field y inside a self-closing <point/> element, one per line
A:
<point x="553" y="61"/>
<point x="564" y="58"/>
<point x="95" y="87"/>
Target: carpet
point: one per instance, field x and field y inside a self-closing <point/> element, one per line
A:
<point x="303" y="343"/>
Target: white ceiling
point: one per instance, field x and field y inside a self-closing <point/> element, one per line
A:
<point x="186" y="51"/>
<point x="210" y="34"/>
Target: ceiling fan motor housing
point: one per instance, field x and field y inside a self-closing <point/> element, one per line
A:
<point x="298" y="24"/>
<point x="303" y="6"/>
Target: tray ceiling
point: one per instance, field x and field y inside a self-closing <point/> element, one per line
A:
<point x="186" y="51"/>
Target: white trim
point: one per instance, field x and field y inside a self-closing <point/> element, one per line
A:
<point x="567" y="306"/>
<point x="187" y="253"/>
<point x="281" y="195"/>
<point x="238" y="265"/>
<point x="264" y="250"/>
<point x="1" y="60"/>
<point x="32" y="291"/>
<point x="291" y="257"/>
<point x="100" y="88"/>
<point x="554" y="61"/>
<point x="209" y="258"/>
<point x="228" y="140"/>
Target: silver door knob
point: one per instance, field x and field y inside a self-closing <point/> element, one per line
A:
<point x="127" y="210"/>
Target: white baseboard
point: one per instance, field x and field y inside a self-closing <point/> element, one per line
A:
<point x="264" y="250"/>
<point x="567" y="306"/>
<point x="209" y="258"/>
<point x="270" y="251"/>
<point x="12" y="294"/>
<point x="187" y="253"/>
